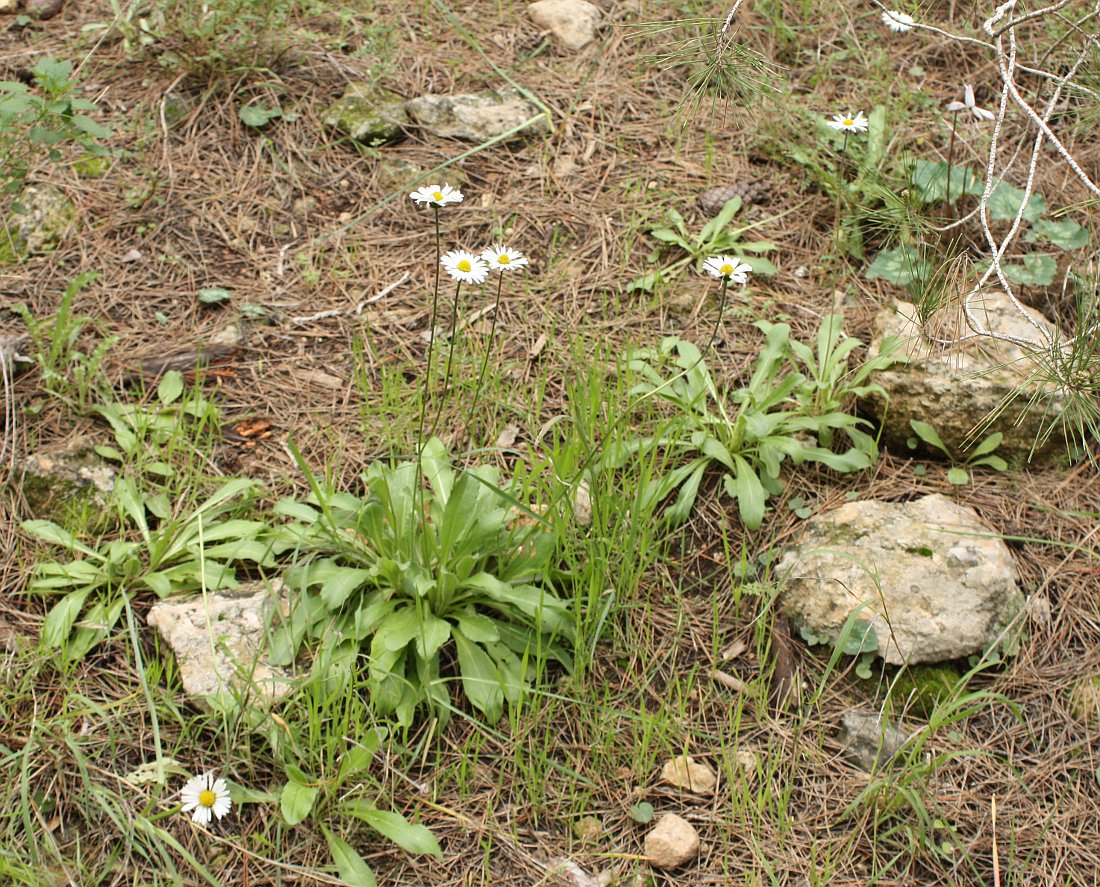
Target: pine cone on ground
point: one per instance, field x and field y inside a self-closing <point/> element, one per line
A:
<point x="712" y="200"/>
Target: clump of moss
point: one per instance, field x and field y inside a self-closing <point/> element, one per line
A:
<point x="918" y="689"/>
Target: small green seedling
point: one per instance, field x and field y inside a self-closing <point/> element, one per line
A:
<point x="981" y="456"/>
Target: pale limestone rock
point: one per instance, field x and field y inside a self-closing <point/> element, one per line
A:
<point x="476" y="117"/>
<point x="926" y="577"/>
<point x="954" y="390"/>
<point x="683" y="772"/>
<point x="573" y="22"/>
<point x="672" y="842"/>
<point x="219" y="641"/>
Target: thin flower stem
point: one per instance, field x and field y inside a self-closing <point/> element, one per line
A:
<point x="489" y="342"/>
<point x="840" y="185"/>
<point x="431" y="345"/>
<point x="950" y="157"/>
<point x="450" y="359"/>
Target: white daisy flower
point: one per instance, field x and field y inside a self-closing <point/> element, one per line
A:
<point x="849" y="122"/>
<point x="207" y="796"/>
<point x="729" y="267"/>
<point x="968" y="104"/>
<point x="898" y="22"/>
<point x="503" y="258"/>
<point x="465" y="267"/>
<point x="437" y="195"/>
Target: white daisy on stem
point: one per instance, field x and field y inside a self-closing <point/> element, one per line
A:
<point x="207" y="796"/>
<point x="465" y="267"/>
<point x="728" y="268"/>
<point x="847" y="123"/>
<point x="436" y="195"/>
<point x="898" y="22"/>
<point x="503" y="258"/>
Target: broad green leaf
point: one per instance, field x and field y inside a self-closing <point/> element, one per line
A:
<point x="297" y="510"/>
<point x="212" y="295"/>
<point x="721" y="221"/>
<point x="958" y="476"/>
<point x="258" y="116"/>
<point x="680" y="510"/>
<point x="667" y="235"/>
<point x="1064" y="233"/>
<point x="349" y="864"/>
<point x="59" y="621"/>
<point x="297" y="801"/>
<point x="91" y="127"/>
<point x="437" y="469"/>
<point x="397" y="630"/>
<point x="479" y="678"/>
<point x="477" y="627"/>
<point x="900" y="266"/>
<point x="1006" y="199"/>
<point x="340" y="583"/>
<point x="929" y="178"/>
<point x="434" y="633"/>
<point x="1035" y="270"/>
<point x="994" y="462"/>
<point x="929" y="435"/>
<point x="749" y="492"/>
<point x="988" y="445"/>
<point x="645" y="283"/>
<point x="50" y="532"/>
<point x="411" y="838"/>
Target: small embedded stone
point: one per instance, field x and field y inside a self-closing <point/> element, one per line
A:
<point x="672" y="842"/>
<point x="683" y="772"/>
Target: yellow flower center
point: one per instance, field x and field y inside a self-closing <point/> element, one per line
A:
<point x="437" y="195"/>
<point x="503" y="259"/>
<point x="463" y="266"/>
<point x="848" y="121"/>
<point x="726" y="269"/>
<point x="207" y="797"/>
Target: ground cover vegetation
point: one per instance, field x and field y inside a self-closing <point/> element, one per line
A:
<point x="521" y="428"/>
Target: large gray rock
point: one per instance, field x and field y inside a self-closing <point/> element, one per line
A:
<point x="368" y="114"/>
<point x="44" y="215"/>
<point x="219" y="641"/>
<point x="925" y="575"/>
<point x="955" y="389"/>
<point x="476" y="117"/>
<point x="573" y="22"/>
